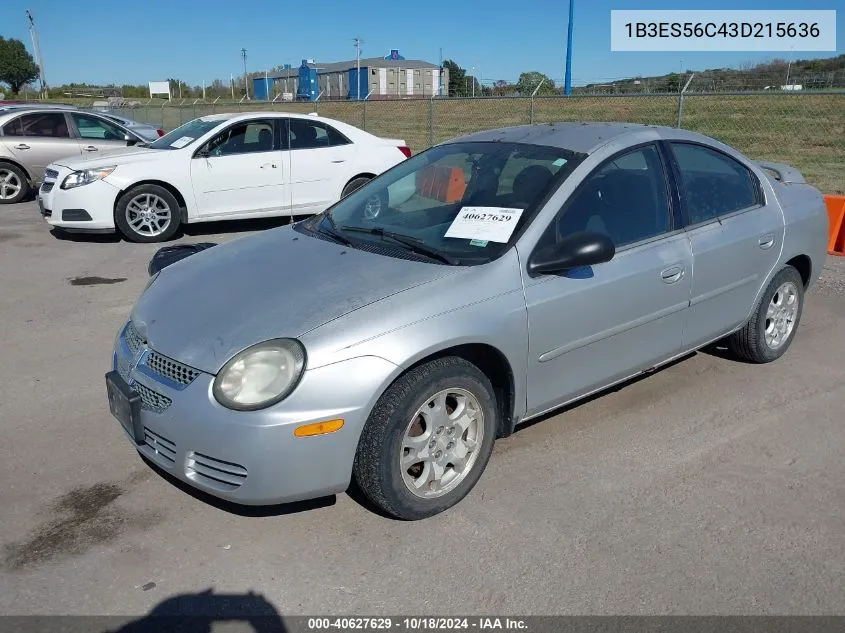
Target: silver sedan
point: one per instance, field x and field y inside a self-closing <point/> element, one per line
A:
<point x="473" y="287"/>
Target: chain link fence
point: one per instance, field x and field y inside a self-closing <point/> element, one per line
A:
<point x="806" y="130"/>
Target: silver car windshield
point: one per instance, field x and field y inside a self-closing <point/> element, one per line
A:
<point x="459" y="202"/>
<point x="185" y="134"/>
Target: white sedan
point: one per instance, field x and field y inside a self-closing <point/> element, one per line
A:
<point x="218" y="167"/>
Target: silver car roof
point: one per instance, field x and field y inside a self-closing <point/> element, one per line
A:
<point x="582" y="137"/>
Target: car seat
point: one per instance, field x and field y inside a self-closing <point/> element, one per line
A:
<point x="529" y="183"/>
<point x="265" y="140"/>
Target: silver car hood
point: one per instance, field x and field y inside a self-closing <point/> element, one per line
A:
<point x="279" y="283"/>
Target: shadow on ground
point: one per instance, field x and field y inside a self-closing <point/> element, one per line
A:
<point x="200" y="613"/>
<point x="221" y="227"/>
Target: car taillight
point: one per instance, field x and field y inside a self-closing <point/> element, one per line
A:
<point x="160" y="132"/>
<point x="405" y="150"/>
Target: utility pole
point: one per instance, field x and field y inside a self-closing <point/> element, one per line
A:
<point x="37" y="49"/>
<point x="358" y="41"/>
<point x="789" y="65"/>
<point x="246" y="80"/>
<point x="232" y="85"/>
<point x="567" y="81"/>
<point x="440" y="80"/>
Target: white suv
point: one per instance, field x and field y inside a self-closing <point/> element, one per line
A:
<point x="219" y="167"/>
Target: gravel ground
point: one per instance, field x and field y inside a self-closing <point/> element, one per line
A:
<point x="709" y="487"/>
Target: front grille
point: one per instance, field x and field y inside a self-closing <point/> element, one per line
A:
<point x="171" y="369"/>
<point x="175" y="374"/>
<point x="47" y="187"/>
<point x="133" y="340"/>
<point x="160" y="445"/>
<point x="51" y="173"/>
<point x="150" y="399"/>
<point x="214" y="473"/>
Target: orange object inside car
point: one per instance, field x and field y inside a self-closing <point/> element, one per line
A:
<point x="446" y="184"/>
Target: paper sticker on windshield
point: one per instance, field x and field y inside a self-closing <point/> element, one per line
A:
<point x="481" y="243"/>
<point x="560" y="162"/>
<point x="493" y="224"/>
<point x="181" y="142"/>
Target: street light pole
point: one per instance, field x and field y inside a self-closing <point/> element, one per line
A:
<point x="246" y="80"/>
<point x="567" y="82"/>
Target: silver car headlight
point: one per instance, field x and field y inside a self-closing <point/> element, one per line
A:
<point x="260" y="375"/>
<point x="86" y="176"/>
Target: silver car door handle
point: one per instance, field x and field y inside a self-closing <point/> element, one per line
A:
<point x="339" y="160"/>
<point x="767" y="241"/>
<point x="89" y="148"/>
<point x="673" y="274"/>
<point x="273" y="165"/>
<point x="22" y="146"/>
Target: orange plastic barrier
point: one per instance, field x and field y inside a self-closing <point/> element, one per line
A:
<point x="836" y="216"/>
<point x="442" y="183"/>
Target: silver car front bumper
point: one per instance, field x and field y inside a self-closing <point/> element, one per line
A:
<point x="251" y="457"/>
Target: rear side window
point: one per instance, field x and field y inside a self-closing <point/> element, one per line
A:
<point x="38" y="124"/>
<point x="712" y="183"/>
<point x="305" y="134"/>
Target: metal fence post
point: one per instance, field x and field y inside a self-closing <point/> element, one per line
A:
<point x="531" y="115"/>
<point x="364" y="115"/>
<point x="431" y="121"/>
<point x="681" y="101"/>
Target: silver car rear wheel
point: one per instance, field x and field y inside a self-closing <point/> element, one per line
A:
<point x="781" y="315"/>
<point x="440" y="444"/>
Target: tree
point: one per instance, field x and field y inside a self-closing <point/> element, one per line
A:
<point x="457" y="76"/>
<point x="529" y="81"/>
<point x="501" y="87"/>
<point x="17" y="67"/>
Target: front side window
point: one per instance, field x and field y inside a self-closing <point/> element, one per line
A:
<point x="305" y="134"/>
<point x="625" y="198"/>
<point x="38" y="124"/>
<point x="712" y="183"/>
<point x="243" y="138"/>
<point x="465" y="200"/>
<point x="94" y="128"/>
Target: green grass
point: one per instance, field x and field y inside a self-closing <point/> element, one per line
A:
<point x="806" y="131"/>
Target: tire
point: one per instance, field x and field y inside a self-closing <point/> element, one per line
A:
<point x="354" y="184"/>
<point x="14" y="185"/>
<point x="147" y="198"/>
<point x="412" y="406"/>
<point x="770" y="330"/>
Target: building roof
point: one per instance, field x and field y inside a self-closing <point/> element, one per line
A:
<point x="371" y="62"/>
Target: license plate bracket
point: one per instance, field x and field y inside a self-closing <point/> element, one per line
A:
<point x="125" y="405"/>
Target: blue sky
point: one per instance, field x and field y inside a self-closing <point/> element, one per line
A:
<point x="135" y="42"/>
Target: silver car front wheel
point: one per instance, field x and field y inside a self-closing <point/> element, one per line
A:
<point x="13" y="184"/>
<point x="428" y="439"/>
<point x="441" y="442"/>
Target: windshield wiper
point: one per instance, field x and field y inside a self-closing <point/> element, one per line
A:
<point x="332" y="232"/>
<point x="412" y="243"/>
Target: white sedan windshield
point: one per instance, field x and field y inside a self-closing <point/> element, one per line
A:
<point x="185" y="134"/>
